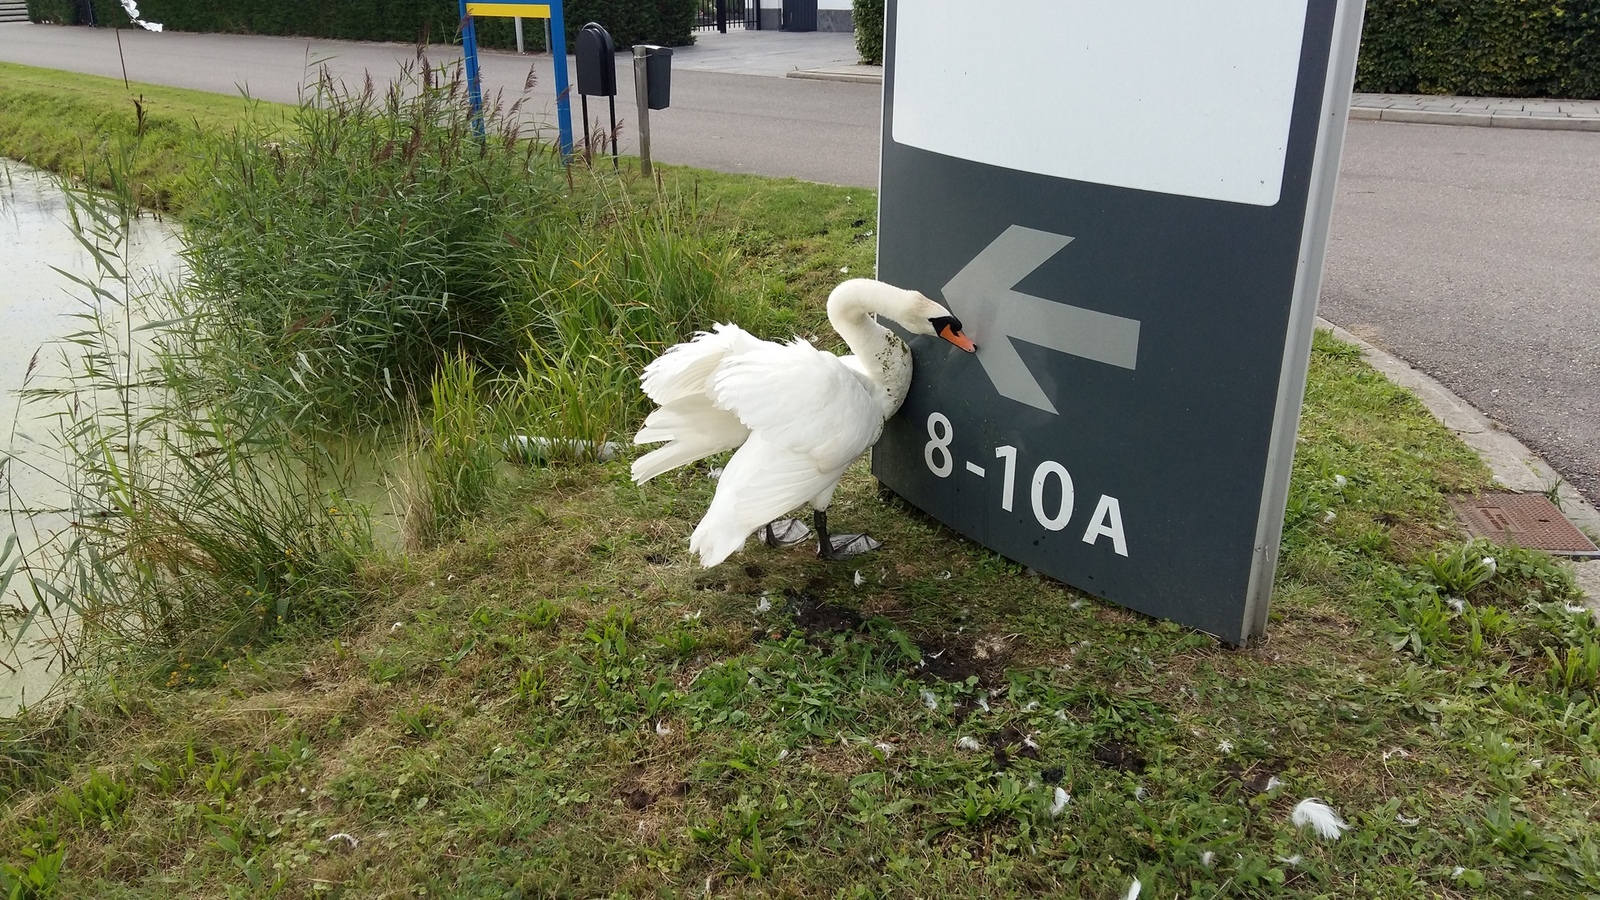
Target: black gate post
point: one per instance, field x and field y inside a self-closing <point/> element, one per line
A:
<point x="722" y="16"/>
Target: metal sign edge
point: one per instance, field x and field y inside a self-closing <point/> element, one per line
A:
<point x="1342" y="55"/>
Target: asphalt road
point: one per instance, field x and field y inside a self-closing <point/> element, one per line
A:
<point x="1472" y="253"/>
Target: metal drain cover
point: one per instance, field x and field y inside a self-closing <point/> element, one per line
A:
<point x="1521" y="520"/>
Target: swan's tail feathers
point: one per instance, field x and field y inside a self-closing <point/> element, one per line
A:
<point x="683" y="370"/>
<point x="692" y="428"/>
<point x="762" y="482"/>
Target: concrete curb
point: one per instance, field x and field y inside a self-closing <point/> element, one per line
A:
<point x="1482" y="120"/>
<point x="844" y="75"/>
<point x="1512" y="463"/>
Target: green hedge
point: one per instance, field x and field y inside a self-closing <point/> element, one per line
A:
<point x="1481" y="48"/>
<point x="1505" y="48"/>
<point x="869" y="30"/>
<point x="629" y="21"/>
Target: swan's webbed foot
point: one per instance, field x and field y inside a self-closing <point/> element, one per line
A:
<point x="840" y="546"/>
<point x="849" y="546"/>
<point x="784" y="532"/>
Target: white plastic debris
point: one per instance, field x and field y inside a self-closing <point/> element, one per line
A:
<point x="1060" y="802"/>
<point x="1320" y="816"/>
<point x="347" y="838"/>
<point x="131" y="7"/>
<point x="969" y="743"/>
<point x="539" y="449"/>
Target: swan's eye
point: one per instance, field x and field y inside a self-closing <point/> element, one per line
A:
<point x="940" y="322"/>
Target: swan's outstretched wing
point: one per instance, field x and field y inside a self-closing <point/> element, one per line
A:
<point x="802" y="400"/>
<point x="685" y="369"/>
<point x="692" y="426"/>
<point x="809" y="417"/>
<point x="761" y="482"/>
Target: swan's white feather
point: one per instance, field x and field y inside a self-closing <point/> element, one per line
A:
<point x="802" y="399"/>
<point x="684" y="369"/>
<point x="693" y="428"/>
<point x="1320" y="816"/>
<point x="762" y="481"/>
<point x="688" y="420"/>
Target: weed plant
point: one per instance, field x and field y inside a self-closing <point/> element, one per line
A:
<point x="458" y="457"/>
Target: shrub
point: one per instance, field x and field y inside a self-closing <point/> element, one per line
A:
<point x="869" y="30"/>
<point x="1482" y="48"/>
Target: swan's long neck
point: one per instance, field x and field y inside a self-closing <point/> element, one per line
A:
<point x="883" y="356"/>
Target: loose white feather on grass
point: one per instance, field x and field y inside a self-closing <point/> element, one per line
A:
<point x="1060" y="803"/>
<point x="1133" y="890"/>
<point x="1320" y="816"/>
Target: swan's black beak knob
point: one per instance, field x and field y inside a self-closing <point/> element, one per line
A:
<point x="949" y="328"/>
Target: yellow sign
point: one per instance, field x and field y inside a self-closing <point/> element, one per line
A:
<point x="510" y="10"/>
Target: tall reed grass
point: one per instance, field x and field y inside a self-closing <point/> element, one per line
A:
<point x="382" y="268"/>
<point x="196" y="527"/>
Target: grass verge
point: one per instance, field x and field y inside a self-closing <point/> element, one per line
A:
<point x="71" y="124"/>
<point x="557" y="703"/>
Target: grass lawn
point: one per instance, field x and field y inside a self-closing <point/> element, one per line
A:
<point x="559" y="703"/>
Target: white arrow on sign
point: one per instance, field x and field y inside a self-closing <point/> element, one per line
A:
<point x="994" y="315"/>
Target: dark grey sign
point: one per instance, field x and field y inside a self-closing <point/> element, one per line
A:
<point x="1141" y="287"/>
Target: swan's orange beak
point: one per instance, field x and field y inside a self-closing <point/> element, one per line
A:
<point x="954" y="336"/>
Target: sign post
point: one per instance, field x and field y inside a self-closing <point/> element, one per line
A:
<point x="557" y="33"/>
<point x="1127" y="205"/>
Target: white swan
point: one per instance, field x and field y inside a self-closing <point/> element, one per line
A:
<point x="799" y="416"/>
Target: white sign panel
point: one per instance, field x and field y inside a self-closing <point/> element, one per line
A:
<point x="1172" y="96"/>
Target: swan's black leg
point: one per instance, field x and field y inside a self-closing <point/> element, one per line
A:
<point x="839" y="547"/>
<point x="819" y="521"/>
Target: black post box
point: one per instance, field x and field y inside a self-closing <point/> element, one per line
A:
<point x="597" y="62"/>
<point x="658" y="76"/>
<point x="799" y="15"/>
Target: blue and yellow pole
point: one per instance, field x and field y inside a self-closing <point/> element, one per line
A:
<point x="558" y="54"/>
